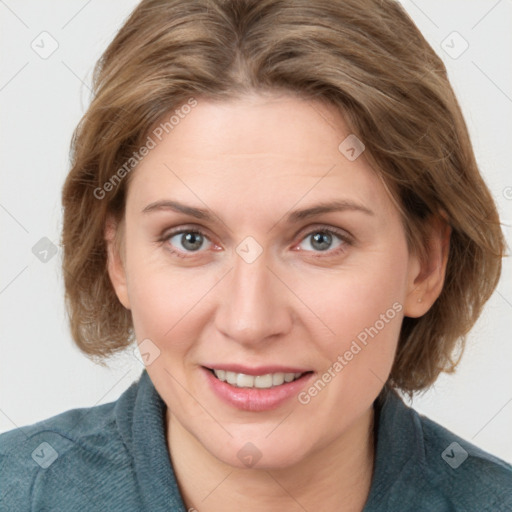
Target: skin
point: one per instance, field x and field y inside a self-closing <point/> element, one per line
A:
<point x="251" y="161"/>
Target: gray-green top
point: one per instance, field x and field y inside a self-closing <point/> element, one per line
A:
<point x="114" y="457"/>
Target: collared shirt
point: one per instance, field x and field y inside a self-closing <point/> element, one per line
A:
<point x="114" y="457"/>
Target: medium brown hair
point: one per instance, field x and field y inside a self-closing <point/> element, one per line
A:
<point x="364" y="57"/>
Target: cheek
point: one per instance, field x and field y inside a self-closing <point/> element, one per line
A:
<point x="156" y="295"/>
<point x="158" y="302"/>
<point x="166" y="300"/>
<point x="361" y="311"/>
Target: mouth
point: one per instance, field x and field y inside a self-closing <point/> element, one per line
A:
<point x="263" y="381"/>
<point x="255" y="389"/>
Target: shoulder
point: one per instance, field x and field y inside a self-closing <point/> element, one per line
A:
<point x="466" y="476"/>
<point x="80" y="449"/>
<point x="422" y="466"/>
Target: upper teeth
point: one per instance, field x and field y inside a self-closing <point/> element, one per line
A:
<point x="255" y="381"/>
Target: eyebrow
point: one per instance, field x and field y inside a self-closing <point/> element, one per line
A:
<point x="294" y="216"/>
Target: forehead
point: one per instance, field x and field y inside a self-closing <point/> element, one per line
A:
<point x="256" y="149"/>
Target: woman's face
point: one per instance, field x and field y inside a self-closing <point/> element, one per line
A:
<point x="232" y="263"/>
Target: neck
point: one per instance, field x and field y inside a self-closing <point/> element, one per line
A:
<point x="332" y="478"/>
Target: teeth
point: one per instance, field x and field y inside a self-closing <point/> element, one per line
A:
<point x="244" y="381"/>
<point x="263" y="381"/>
<point x="268" y="380"/>
<point x="277" y="379"/>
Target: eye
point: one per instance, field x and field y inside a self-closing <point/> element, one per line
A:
<point x="183" y="242"/>
<point x="187" y="240"/>
<point x="325" y="240"/>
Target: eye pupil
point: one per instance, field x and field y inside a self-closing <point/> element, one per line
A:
<point x="321" y="241"/>
<point x="192" y="241"/>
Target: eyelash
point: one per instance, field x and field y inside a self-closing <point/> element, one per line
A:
<point x="328" y="253"/>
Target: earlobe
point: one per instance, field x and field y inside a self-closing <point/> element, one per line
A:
<point x="427" y="274"/>
<point x="115" y="263"/>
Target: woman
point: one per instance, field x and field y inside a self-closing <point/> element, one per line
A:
<point x="280" y="203"/>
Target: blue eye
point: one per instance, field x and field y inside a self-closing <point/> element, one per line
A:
<point x="321" y="240"/>
<point x="191" y="241"/>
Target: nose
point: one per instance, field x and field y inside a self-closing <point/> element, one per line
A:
<point x="254" y="304"/>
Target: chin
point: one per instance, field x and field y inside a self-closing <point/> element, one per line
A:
<point x="258" y="453"/>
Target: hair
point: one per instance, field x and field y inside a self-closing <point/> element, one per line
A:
<point x="365" y="58"/>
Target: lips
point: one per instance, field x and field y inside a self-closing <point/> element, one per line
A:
<point x="255" y="393"/>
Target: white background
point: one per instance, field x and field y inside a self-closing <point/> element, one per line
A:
<point x="41" y="101"/>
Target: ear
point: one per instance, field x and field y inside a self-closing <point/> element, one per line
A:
<point x="115" y="262"/>
<point x="427" y="272"/>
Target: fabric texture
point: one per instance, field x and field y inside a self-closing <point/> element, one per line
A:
<point x="114" y="457"/>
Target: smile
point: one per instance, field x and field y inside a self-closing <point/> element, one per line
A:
<point x="268" y="380"/>
<point x="255" y="389"/>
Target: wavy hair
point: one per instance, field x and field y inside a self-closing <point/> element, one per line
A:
<point x="365" y="58"/>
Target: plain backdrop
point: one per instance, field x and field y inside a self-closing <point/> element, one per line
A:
<point x="42" y="97"/>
